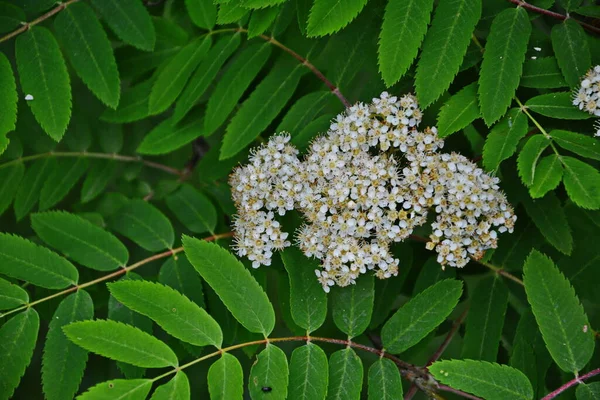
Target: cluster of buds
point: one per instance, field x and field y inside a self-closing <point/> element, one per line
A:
<point x="587" y="98"/>
<point x="369" y="182"/>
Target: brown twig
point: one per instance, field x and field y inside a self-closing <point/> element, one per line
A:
<point x="554" y="15"/>
<point x="458" y="392"/>
<point x="27" y="25"/>
<point x="571" y="383"/>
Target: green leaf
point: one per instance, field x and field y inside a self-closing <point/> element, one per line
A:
<point x="502" y="141"/>
<point x="261" y="3"/>
<point x="175" y="313"/>
<point x="308" y="300"/>
<point x="588" y="391"/>
<point x="558" y="312"/>
<point x="329" y="16"/>
<point x="193" y="209"/>
<point x="89" y="51"/>
<point x="352" y="306"/>
<point x="145" y="225"/>
<point x="177" y="388"/>
<point x="404" y="25"/>
<point x="529" y="156"/>
<point x="11" y="295"/>
<point x="303" y="112"/>
<point x="226" y="378"/>
<point x="444" y="47"/>
<point x="31" y="186"/>
<point x="133" y="105"/>
<point x="21" y="259"/>
<point x="548" y="175"/>
<point x="98" y="177"/>
<point x="63" y="362"/>
<point x="261" y="108"/>
<point x="572" y="51"/>
<point x="172" y="79"/>
<point x="203" y="13"/>
<point x="10" y="179"/>
<point x="313" y="129"/>
<point x="62" y="179"/>
<point x="582" y="145"/>
<point x="261" y="20"/>
<point x="43" y="75"/>
<point x="178" y="273"/>
<point x="18" y="337"/>
<point x="121" y="342"/>
<point x="269" y="370"/>
<point x="589" y="11"/>
<point x="205" y="74"/>
<point x="582" y="182"/>
<point x="230" y="13"/>
<point x="233" y="84"/>
<point x="130" y="20"/>
<point x="542" y="73"/>
<point x="523" y="359"/>
<point x="556" y="105"/>
<point x="421" y="315"/>
<point x="169" y="136"/>
<point x="549" y="216"/>
<point x="384" y="381"/>
<point x="8" y="98"/>
<point x="309" y="372"/>
<point x="119" y="389"/>
<point x="485" y="320"/>
<point x="236" y="287"/>
<point x="80" y="240"/>
<point x="503" y="62"/>
<point x="345" y="375"/>
<point x="487" y="380"/>
<point x="459" y="111"/>
<point x="570" y="5"/>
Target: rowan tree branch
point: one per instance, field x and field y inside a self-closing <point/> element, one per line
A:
<point x="571" y="383"/>
<point x="554" y="15"/>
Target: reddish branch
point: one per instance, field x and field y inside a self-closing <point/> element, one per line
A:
<point x="554" y="15"/>
<point x="571" y="383"/>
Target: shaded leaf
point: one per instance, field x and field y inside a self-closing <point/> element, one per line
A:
<point x="556" y="105"/>
<point x="202" y="12"/>
<point x="175" y="313"/>
<point x="558" y="312"/>
<point x="404" y="25"/>
<point x="169" y="136"/>
<point x="269" y="370"/>
<point x="121" y="342"/>
<point x="329" y="16"/>
<point x="98" y="177"/>
<point x="503" y="62"/>
<point x="384" y="381"/>
<point x="588" y="391"/>
<point x="178" y="273"/>
<point x="459" y="111"/>
<point x="485" y="320"/>
<point x="303" y="112"/>
<point x="226" y="379"/>
<point x="21" y="259"/>
<point x="80" y="240"/>
<point x="542" y="73"/>
<point x="10" y="178"/>
<point x="345" y="375"/>
<point x="548" y="215"/>
<point x="582" y="182"/>
<point x="11" y="295"/>
<point x="548" y="175"/>
<point x="133" y="105"/>
<point x="130" y="20"/>
<point x="234" y="284"/>
<point x="193" y="209"/>
<point x="421" y="315"/>
<point x="502" y="141"/>
<point x="572" y="51"/>
<point x="172" y="79"/>
<point x="352" y="306"/>
<point x="231" y="87"/>
<point x="529" y="156"/>
<point x="261" y="108"/>
<point x="31" y="186"/>
<point x="444" y="47"/>
<point x="308" y="300"/>
<point x="64" y="361"/>
<point x="18" y="337"/>
<point x="89" y="51"/>
<point x="43" y="75"/>
<point x="119" y="389"/>
<point x="145" y="225"/>
<point x="309" y="372"/>
<point x="177" y="388"/>
<point x="487" y="380"/>
<point x="8" y="98"/>
<point x="63" y="178"/>
<point x="582" y="145"/>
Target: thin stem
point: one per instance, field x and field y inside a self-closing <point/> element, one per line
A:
<point x="438" y="353"/>
<point x="108" y="156"/>
<point x="571" y="383"/>
<point x="36" y="21"/>
<point x="553" y="14"/>
<point x="458" y="392"/>
<point x="112" y="275"/>
<point x="541" y="129"/>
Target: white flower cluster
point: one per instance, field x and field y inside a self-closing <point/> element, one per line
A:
<point x="587" y="97"/>
<point x="367" y="183"/>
